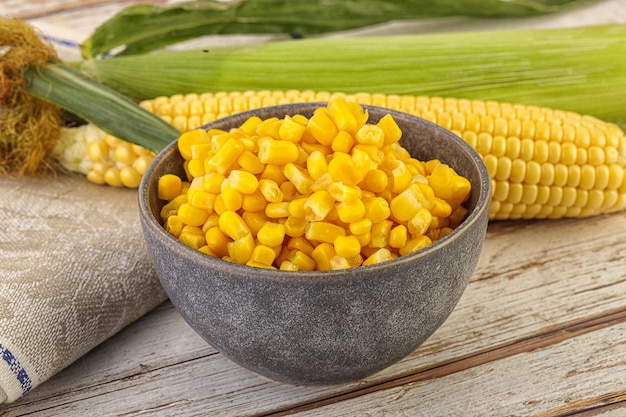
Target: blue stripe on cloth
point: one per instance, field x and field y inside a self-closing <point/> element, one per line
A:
<point x="63" y="42"/>
<point x="16" y="367"/>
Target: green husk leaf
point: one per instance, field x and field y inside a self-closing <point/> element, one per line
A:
<point x="143" y="28"/>
<point x="573" y="69"/>
<point x="102" y="106"/>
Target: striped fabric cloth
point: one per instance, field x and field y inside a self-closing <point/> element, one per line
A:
<point x="74" y="272"/>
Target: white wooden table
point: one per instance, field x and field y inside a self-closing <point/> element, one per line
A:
<point x="541" y="329"/>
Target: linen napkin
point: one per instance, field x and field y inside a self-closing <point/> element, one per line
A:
<point x="74" y="271"/>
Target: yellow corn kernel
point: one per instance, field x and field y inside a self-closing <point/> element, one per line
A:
<point x="212" y="182"/>
<point x="342" y="115"/>
<point x="405" y="205"/>
<point x="381" y="255"/>
<point x="259" y="265"/>
<point x="232" y="199"/>
<point x="376" y="209"/>
<point x="201" y="150"/>
<point x="398" y="236"/>
<point x="342" y="192"/>
<point x="322" y="183"/>
<point x="192" y="215"/>
<point x="296" y="207"/>
<point x="129" y="177"/>
<point x="295" y="226"/>
<point x="254" y="202"/>
<point x="376" y="181"/>
<point x="302" y="244"/>
<point x="322" y="128"/>
<point x="323" y="232"/>
<point x="169" y="186"/>
<point x="441" y="208"/>
<point x="174" y="225"/>
<point x="225" y="156"/>
<point x="343" y="169"/>
<point x="288" y="266"/>
<point x="274" y="173"/>
<point x="240" y="250"/>
<point x="211" y="221"/>
<point x="250" y="162"/>
<point x="322" y="254"/>
<point x="232" y="225"/>
<point x="249" y="127"/>
<point x="243" y="181"/>
<point x="380" y="234"/>
<point x="268" y="127"/>
<point x="448" y="185"/>
<point x="289" y="190"/>
<point x="347" y="246"/>
<point x="302" y="260"/>
<point x="202" y="200"/>
<point x="271" y="234"/>
<point x="187" y="139"/>
<point x="291" y="130"/>
<point x="391" y="130"/>
<point x="414" y="244"/>
<point x="365" y="158"/>
<point x="270" y="190"/>
<point x="318" y="205"/>
<point x="361" y="227"/>
<point x="360" y="114"/>
<point x="277" y="210"/>
<point x="420" y="222"/>
<point x="350" y="211"/>
<point x="370" y="134"/>
<point x="316" y="164"/>
<point x="343" y="142"/>
<point x="397" y="151"/>
<point x="112" y="177"/>
<point x="263" y="255"/>
<point x="339" y="262"/>
<point x="400" y="176"/>
<point x="191" y="239"/>
<point x="171" y="208"/>
<point x="277" y="152"/>
<point x="255" y="220"/>
<point x="298" y="176"/>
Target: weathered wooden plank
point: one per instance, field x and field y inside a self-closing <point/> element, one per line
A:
<point x="532" y="295"/>
<point x="546" y="382"/>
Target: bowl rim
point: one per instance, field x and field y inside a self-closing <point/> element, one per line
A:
<point x="313" y="277"/>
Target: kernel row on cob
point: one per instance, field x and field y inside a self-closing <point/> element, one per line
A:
<point x="543" y="163"/>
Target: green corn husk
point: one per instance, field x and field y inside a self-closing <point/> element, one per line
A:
<point x="84" y="97"/>
<point x="575" y="69"/>
<point x="142" y="28"/>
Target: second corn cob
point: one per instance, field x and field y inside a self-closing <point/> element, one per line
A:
<point x="544" y="163"/>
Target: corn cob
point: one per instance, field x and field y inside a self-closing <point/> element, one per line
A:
<point x="543" y="163"/>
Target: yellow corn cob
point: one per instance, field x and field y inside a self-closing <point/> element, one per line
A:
<point x="544" y="163"/>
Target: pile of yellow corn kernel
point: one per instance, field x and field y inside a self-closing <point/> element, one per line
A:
<point x="327" y="192"/>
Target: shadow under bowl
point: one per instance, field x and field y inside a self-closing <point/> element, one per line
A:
<point x="322" y="327"/>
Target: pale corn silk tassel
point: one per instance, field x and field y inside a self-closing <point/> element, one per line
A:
<point x="29" y="127"/>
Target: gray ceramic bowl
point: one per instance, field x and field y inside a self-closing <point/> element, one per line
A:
<point x="322" y="327"/>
